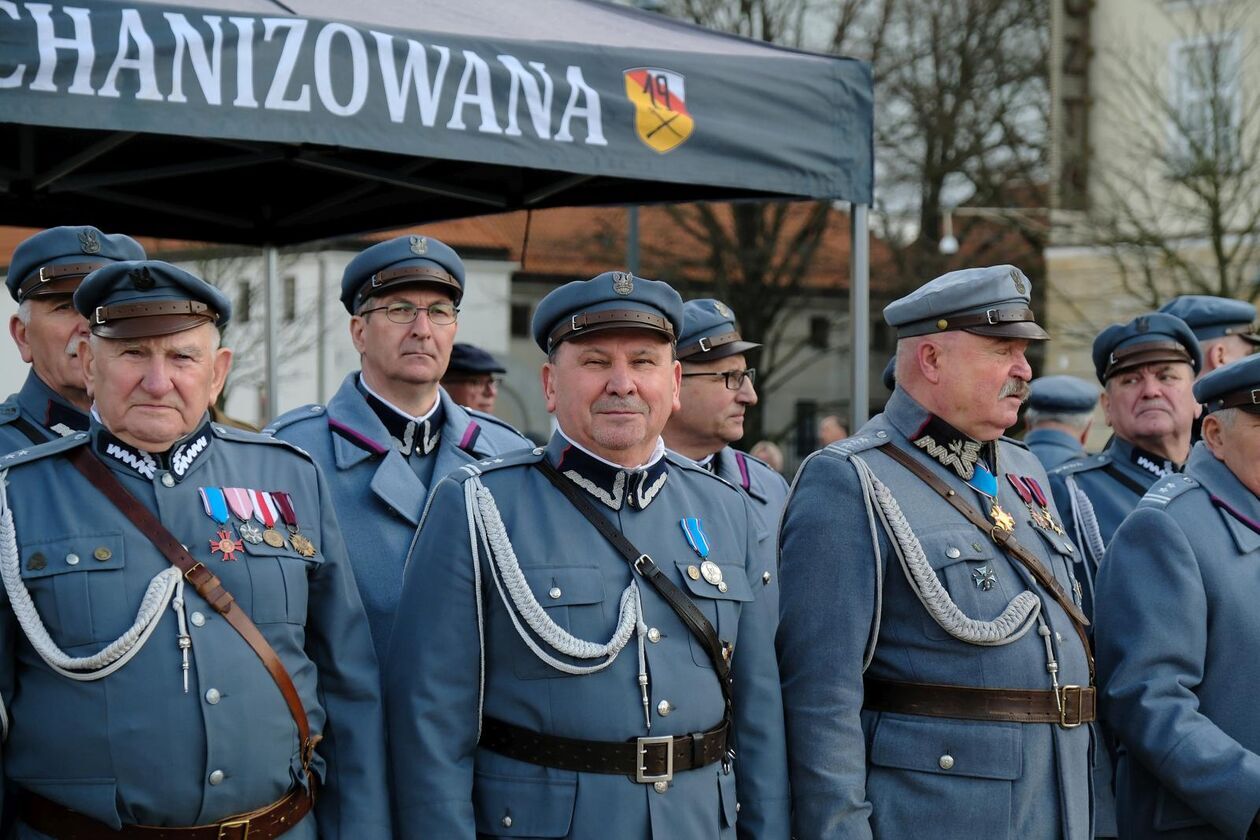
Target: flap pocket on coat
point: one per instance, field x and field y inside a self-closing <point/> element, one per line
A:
<point x="956" y="748"/>
<point x="516" y="806"/>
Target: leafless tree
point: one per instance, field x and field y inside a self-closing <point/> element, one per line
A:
<point x="1179" y="211"/>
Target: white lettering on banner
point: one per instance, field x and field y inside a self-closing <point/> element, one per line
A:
<point x="539" y="106"/>
<point x="49" y="43"/>
<point x="13" y="79"/>
<point x="478" y="72"/>
<point x="207" y="67"/>
<point x="284" y="69"/>
<point x="519" y="92"/>
<point x="358" y="69"/>
<point x="132" y="32"/>
<point x="415" y="71"/>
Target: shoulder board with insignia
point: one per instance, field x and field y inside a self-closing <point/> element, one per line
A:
<point x="9" y="411"/>
<point x="1164" y="491"/>
<point x="861" y="442"/>
<point x="493" y="463"/>
<point x="226" y="432"/>
<point x="297" y="415"/>
<point x="1078" y="465"/>
<point x="34" y="453"/>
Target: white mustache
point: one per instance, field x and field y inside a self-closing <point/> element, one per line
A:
<point x="72" y="347"/>
<point x="1014" y="388"/>
<point x="637" y="406"/>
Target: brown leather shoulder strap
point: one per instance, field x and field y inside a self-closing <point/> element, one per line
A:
<point x="1005" y="540"/>
<point x="206" y="583"/>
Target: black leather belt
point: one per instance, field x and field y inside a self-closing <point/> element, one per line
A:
<point x="1069" y="706"/>
<point x="645" y="760"/>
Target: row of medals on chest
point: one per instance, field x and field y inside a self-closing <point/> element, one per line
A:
<point x="256" y="515"/>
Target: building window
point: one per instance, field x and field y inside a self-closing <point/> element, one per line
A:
<point x="819" y="331"/>
<point x="244" y="302"/>
<point x="1207" y="103"/>
<point x="520" y="320"/>
<point x="289" y="299"/>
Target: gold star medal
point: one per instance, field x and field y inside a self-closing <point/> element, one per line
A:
<point x="1001" y="519"/>
<point x="288" y="513"/>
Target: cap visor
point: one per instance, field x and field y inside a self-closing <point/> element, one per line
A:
<point x="1019" y="329"/>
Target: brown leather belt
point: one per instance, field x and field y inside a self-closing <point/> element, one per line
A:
<point x="646" y="760"/>
<point x="1069" y="707"/>
<point x="60" y="822"/>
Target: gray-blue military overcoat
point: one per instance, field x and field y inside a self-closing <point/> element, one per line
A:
<point x="377" y="494"/>
<point x="133" y="747"/>
<point x="1177" y="632"/>
<point x="448" y="787"/>
<point x="858" y="773"/>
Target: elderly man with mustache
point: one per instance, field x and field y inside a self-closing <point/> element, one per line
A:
<point x="936" y="675"/>
<point x="1147" y="368"/>
<point x="593" y="657"/>
<point x="43" y="275"/>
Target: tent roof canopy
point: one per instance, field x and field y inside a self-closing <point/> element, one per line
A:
<point x="256" y="121"/>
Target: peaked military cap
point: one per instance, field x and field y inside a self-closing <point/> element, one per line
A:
<point x="55" y="261"/>
<point x="985" y="301"/>
<point x="1147" y="339"/>
<point x="612" y="300"/>
<point x="1215" y="317"/>
<point x="142" y="298"/>
<point x="468" y="358"/>
<point x="709" y="332"/>
<point x="402" y="261"/>
<point x="1235" y="385"/>
<point x="1062" y="394"/>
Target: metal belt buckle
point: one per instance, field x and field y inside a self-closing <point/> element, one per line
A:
<point x="641" y="746"/>
<point x="234" y="830"/>
<point x="1070" y="691"/>
<point x="704" y="345"/>
<point x="992" y="316"/>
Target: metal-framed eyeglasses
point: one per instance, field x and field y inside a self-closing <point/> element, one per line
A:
<point x="403" y="312"/>
<point x="734" y="378"/>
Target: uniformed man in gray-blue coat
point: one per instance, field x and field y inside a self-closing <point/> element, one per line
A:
<point x="391" y="432"/>
<point x="45" y="270"/>
<point x="936" y="681"/>
<point x="1178" y="632"/>
<point x="588" y="659"/>
<point x="183" y="644"/>
<point x="1147" y="369"/>
<point x="717" y="388"/>
<point x="1059" y="414"/>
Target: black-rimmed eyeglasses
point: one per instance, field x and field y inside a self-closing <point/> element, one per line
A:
<point x="401" y="312"/>
<point x="734" y="378"/>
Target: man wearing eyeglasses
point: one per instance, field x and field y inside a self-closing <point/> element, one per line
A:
<point x="717" y="389"/>
<point x="390" y="433"/>
<point x="472" y="377"/>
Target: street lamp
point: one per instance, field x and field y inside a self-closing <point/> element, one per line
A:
<point x="949" y="242"/>
<point x="1028" y="219"/>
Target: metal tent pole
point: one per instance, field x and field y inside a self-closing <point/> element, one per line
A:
<point x="860" y="313"/>
<point x="271" y="378"/>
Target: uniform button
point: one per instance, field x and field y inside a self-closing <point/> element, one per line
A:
<point x="102" y="553"/>
<point x="663" y="708"/>
<point x="168" y="480"/>
<point x="660" y="787"/>
<point x="216" y="777"/>
<point x="946" y="761"/>
<point x="654" y="635"/>
<point x="1058" y="637"/>
<point x="765" y="577"/>
<point x="554" y="593"/>
<point x="722" y="587"/>
<point x="198" y="619"/>
<point x="213" y="696"/>
<point x="952" y="553"/>
<point x="72" y="559"/>
<point x="507" y="821"/>
<point x="693" y="572"/>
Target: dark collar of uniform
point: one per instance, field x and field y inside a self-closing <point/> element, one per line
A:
<point x="178" y="461"/>
<point x="732" y="465"/>
<point x="1139" y="460"/>
<point x="410" y="435"/>
<point x="1239" y="507"/>
<point x="51" y="409"/>
<point x="951" y="448"/>
<point x="613" y="485"/>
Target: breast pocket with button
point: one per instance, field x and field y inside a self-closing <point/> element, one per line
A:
<point x="279" y="582"/>
<point x="573" y="597"/>
<point x="79" y="588"/>
<point x="973" y="571"/>
<point x="721" y="603"/>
